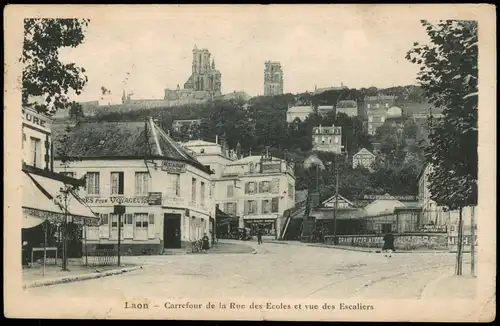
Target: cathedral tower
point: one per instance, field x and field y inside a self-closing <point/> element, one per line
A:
<point x="273" y="78"/>
<point x="204" y="75"/>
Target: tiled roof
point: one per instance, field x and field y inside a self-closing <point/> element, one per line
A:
<point x="99" y="140"/>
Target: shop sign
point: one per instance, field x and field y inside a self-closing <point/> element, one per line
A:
<point x="154" y="198"/>
<point x="433" y="228"/>
<point x="173" y="167"/>
<point x="140" y="200"/>
<point x="389" y="197"/>
<point x="35" y="120"/>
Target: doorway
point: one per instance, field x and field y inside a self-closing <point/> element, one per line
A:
<point x="172" y="231"/>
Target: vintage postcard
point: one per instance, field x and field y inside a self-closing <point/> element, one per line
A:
<point x="250" y="162"/>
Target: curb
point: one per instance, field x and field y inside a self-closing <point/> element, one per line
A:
<point x="82" y="277"/>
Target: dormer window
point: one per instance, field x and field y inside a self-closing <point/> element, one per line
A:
<point x="252" y="168"/>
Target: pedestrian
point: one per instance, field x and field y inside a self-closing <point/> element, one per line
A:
<point x="388" y="247"/>
<point x="206" y="243"/>
<point x="259" y="236"/>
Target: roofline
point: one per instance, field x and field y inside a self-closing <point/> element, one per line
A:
<point x="141" y="158"/>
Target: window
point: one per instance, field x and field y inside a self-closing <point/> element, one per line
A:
<point x="290" y="190"/>
<point x="36" y="151"/>
<point x="230" y="191"/>
<point x="114" y="221"/>
<point x="93" y="183"/>
<point x="368" y="106"/>
<point x="275" y="187"/>
<point x="193" y="190"/>
<point x="202" y="193"/>
<point x="68" y="174"/>
<point x="251" y="206"/>
<point x="141" y="226"/>
<point x="230" y="209"/>
<point x="250" y="188"/>
<point x="266" y="206"/>
<point x="264" y="186"/>
<point x="116" y="183"/>
<point x="176" y="184"/>
<point x="252" y="168"/>
<point x="141" y="220"/>
<point x="141" y="183"/>
<point x="275" y="205"/>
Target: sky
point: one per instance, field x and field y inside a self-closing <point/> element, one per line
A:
<point x="149" y="51"/>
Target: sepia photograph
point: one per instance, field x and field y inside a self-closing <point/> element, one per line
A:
<point x="250" y="162"/>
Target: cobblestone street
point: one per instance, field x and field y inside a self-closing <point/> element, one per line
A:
<point x="279" y="271"/>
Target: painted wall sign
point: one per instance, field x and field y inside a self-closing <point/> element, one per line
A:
<point x="36" y="120"/>
<point x="155" y="198"/>
<point x="141" y="200"/>
<point x="389" y="197"/>
<point x="173" y="167"/>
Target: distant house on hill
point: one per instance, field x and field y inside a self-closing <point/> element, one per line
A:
<point x="301" y="112"/>
<point x="348" y="107"/>
<point x="363" y="158"/>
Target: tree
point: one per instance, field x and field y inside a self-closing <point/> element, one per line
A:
<point x="448" y="76"/>
<point x="75" y="111"/>
<point x="44" y="75"/>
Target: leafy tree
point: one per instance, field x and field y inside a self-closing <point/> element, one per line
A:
<point x="449" y="78"/>
<point x="448" y="75"/>
<point x="44" y="75"/>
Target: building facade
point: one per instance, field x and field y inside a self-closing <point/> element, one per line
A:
<point x="379" y="102"/>
<point x="298" y="112"/>
<point x="49" y="199"/>
<point x="257" y="190"/>
<point x="347" y="107"/>
<point x="378" y="116"/>
<point x="167" y="193"/>
<point x="435" y="216"/>
<point x="327" y="139"/>
<point x="363" y="158"/>
<point x="273" y="78"/>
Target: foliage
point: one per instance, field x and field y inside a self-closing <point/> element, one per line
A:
<point x="44" y="75"/>
<point x="448" y="76"/>
<point x="75" y="111"/>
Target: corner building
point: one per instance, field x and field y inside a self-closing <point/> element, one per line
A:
<point x="166" y="192"/>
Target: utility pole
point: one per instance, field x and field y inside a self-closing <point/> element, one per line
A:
<point x="473" y="242"/>
<point x="119" y="210"/>
<point x="335" y="242"/>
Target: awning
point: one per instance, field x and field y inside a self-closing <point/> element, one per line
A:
<point x="30" y="221"/>
<point x="40" y="193"/>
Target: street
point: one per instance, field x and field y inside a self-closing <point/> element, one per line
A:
<point x="276" y="271"/>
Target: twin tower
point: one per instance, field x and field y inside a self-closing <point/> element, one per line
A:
<point x="205" y="79"/>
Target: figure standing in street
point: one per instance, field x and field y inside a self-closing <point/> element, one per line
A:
<point x="259" y="236"/>
<point x="206" y="243"/>
<point x="388" y="247"/>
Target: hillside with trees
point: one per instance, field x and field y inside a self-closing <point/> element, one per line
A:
<point x="261" y="123"/>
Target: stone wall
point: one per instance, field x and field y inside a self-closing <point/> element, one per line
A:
<point x="415" y="241"/>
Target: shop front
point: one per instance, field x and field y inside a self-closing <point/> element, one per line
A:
<point x="267" y="226"/>
<point x="52" y="212"/>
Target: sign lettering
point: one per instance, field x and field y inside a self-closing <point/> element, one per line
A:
<point x="173" y="167"/>
<point x="154" y="198"/>
<point x="142" y="200"/>
<point x="36" y="120"/>
<point x="389" y="197"/>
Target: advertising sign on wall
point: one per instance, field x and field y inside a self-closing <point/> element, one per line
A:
<point x="173" y="167"/>
<point x="154" y="198"/>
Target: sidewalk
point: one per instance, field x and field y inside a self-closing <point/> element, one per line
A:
<point x="350" y="248"/>
<point x="35" y="277"/>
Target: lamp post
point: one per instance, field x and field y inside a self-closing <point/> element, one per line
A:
<point x="119" y="210"/>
